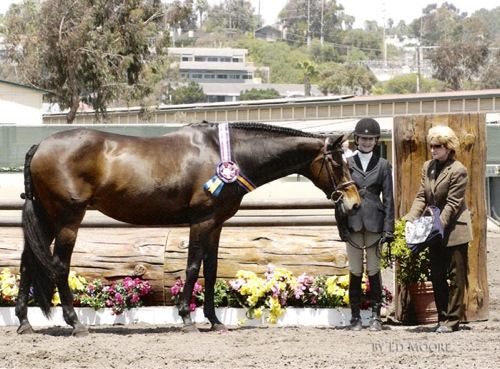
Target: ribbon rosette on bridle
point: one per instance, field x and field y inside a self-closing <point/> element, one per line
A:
<point x="227" y="171"/>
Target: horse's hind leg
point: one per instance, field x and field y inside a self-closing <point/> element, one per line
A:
<point x="23" y="295"/>
<point x="63" y="248"/>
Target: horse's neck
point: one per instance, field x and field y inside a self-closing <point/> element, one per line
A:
<point x="264" y="160"/>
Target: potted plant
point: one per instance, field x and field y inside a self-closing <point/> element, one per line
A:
<point x="415" y="293"/>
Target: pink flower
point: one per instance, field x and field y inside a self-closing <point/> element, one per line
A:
<point x="128" y="283"/>
<point x="135" y="299"/>
<point x="119" y="297"/>
<point x="197" y="288"/>
<point x="145" y="290"/>
<point x="299" y="291"/>
<point x="109" y="303"/>
<point x="192" y="306"/>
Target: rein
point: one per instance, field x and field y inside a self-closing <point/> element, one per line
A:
<point x="337" y="193"/>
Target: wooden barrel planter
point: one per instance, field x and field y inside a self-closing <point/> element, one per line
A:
<point x="422" y="300"/>
<point x="159" y="254"/>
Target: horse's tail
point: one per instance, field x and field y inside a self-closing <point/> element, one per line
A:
<point x="37" y="257"/>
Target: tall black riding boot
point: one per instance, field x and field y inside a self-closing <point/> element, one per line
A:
<point x="355" y="301"/>
<point x="376" y="298"/>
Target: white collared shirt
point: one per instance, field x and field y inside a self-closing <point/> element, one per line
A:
<point x="365" y="158"/>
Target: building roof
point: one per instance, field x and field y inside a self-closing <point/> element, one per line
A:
<point x="207" y="51"/>
<point x="23" y="86"/>
<point x="234" y="89"/>
<point x="269" y="26"/>
<point x="345" y="126"/>
<point x="215" y="66"/>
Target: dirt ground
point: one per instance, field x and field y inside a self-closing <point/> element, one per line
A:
<point x="476" y="345"/>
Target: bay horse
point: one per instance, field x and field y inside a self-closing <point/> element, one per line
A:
<point x="156" y="181"/>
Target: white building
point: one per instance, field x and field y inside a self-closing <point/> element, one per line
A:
<point x="212" y="65"/>
<point x="20" y="104"/>
<point x="224" y="73"/>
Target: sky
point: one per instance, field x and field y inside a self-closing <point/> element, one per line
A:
<point x="362" y="10"/>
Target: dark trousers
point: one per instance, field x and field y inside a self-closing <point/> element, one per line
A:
<point x="449" y="263"/>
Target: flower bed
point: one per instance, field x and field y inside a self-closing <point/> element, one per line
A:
<point x="118" y="296"/>
<point x="250" y="299"/>
<point x="278" y="290"/>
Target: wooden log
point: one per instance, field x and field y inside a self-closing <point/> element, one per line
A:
<point x="106" y="254"/>
<point x="412" y="150"/>
<point x="159" y="254"/>
<point x="311" y="250"/>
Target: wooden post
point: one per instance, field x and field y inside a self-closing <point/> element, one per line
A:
<point x="411" y="151"/>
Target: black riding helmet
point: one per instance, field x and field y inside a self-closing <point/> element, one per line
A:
<point x="367" y="127"/>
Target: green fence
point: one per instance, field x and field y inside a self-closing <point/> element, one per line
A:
<point x="16" y="140"/>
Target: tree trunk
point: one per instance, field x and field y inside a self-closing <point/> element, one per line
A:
<point x="75" y="104"/>
<point x="307" y="86"/>
<point x="411" y="151"/>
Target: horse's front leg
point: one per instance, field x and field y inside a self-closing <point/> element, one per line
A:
<point x="210" y="274"/>
<point x="195" y="254"/>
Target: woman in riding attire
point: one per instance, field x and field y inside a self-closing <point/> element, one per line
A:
<point x="372" y="223"/>
<point x="443" y="184"/>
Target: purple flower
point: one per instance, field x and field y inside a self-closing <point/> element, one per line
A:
<point x="236" y="284"/>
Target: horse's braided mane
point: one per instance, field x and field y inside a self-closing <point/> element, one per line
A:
<point x="265" y="128"/>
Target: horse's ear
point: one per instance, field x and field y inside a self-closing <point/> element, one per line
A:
<point x="334" y="141"/>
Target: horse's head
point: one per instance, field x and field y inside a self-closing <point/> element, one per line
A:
<point x="330" y="172"/>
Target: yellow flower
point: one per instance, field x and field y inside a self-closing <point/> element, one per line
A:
<point x="56" y="299"/>
<point x="275" y="310"/>
<point x="257" y="313"/>
<point x="346" y="299"/>
<point x="344" y="281"/>
<point x="76" y="282"/>
<point x="245" y="274"/>
<point x="10" y="291"/>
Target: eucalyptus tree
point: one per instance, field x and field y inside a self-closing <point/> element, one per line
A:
<point x="314" y="18"/>
<point x="237" y="15"/>
<point x="89" y="51"/>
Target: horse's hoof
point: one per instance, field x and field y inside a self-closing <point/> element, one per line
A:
<point x="80" y="331"/>
<point x="189" y="328"/>
<point x="219" y="327"/>
<point x="25" y="329"/>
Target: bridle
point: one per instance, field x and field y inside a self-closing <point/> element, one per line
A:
<point x="337" y="193"/>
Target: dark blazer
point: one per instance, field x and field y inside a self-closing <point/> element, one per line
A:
<point x="447" y="192"/>
<point x="374" y="215"/>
